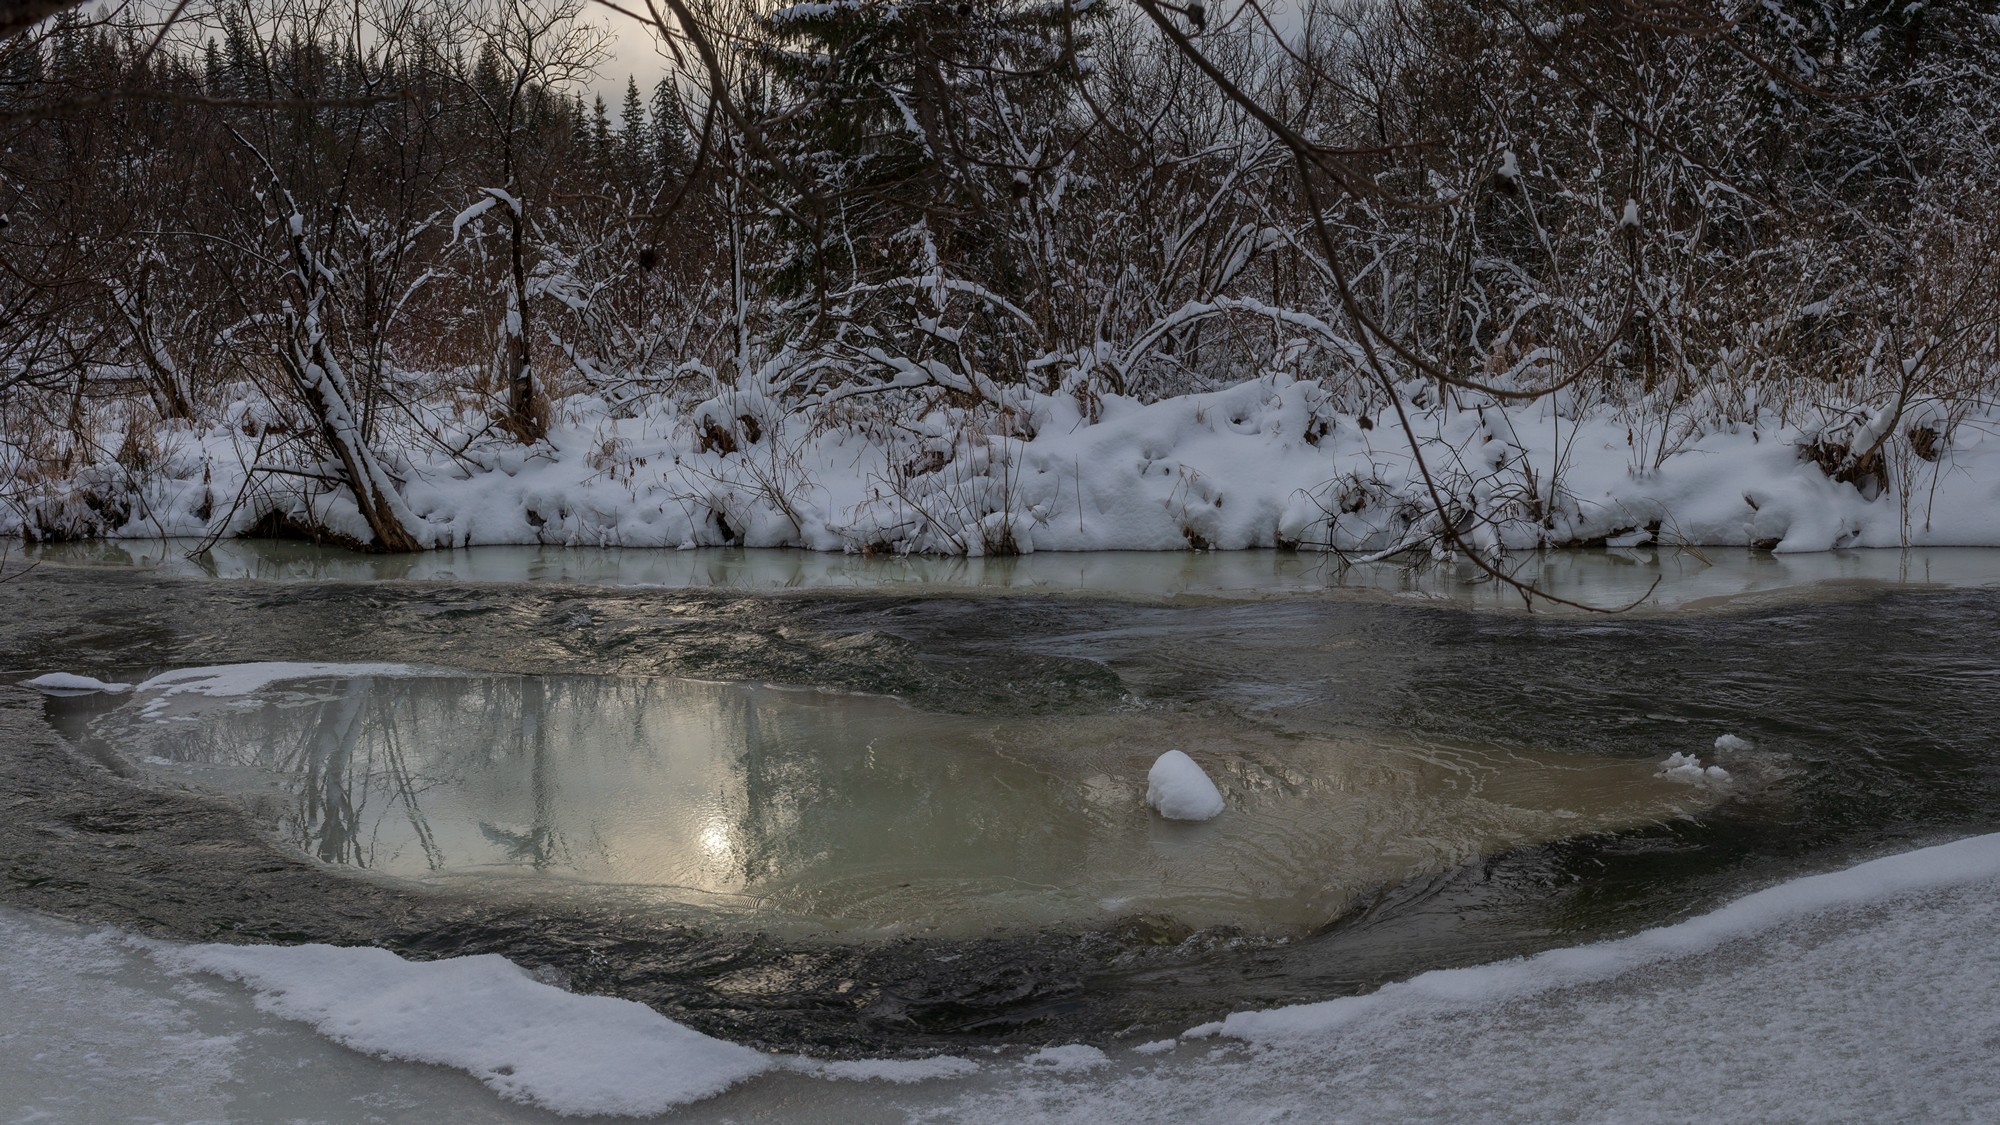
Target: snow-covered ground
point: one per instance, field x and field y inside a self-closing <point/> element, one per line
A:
<point x="1869" y="994"/>
<point x="1267" y="462"/>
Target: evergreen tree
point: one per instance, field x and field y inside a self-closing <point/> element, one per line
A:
<point x="212" y="70"/>
<point x="894" y="113"/>
<point x="632" y="134"/>
<point x="599" y="146"/>
<point x="670" y="148"/>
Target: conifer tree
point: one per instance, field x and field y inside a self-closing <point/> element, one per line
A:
<point x="669" y="141"/>
<point x="632" y="134"/>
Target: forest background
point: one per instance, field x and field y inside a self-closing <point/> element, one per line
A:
<point x="984" y="277"/>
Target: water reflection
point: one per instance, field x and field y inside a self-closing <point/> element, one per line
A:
<point x="858" y="812"/>
<point x="1656" y="579"/>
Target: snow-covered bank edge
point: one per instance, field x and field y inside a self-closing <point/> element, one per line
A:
<point x="1268" y="462"/>
<point x="535" y="1043"/>
<point x="1960" y="862"/>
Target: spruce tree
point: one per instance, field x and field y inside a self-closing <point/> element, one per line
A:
<point x="600" y="144"/>
<point x="670" y="148"/>
<point x="632" y="134"/>
<point x="892" y="114"/>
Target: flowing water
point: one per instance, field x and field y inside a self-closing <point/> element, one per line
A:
<point x="902" y="805"/>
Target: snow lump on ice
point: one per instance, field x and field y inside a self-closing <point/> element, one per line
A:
<point x="1688" y="768"/>
<point x="66" y="683"/>
<point x="1178" y="790"/>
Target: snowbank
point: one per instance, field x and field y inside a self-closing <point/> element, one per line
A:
<point x="526" y="1040"/>
<point x="1268" y="462"/>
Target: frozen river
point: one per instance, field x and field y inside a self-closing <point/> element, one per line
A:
<point x="820" y="823"/>
<point x="1871" y="994"/>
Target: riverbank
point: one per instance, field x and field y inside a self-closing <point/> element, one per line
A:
<point x="1265" y="463"/>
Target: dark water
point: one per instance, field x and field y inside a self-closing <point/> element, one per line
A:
<point x="1873" y="717"/>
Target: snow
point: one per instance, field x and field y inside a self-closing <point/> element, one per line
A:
<point x="223" y="681"/>
<point x="1870" y="993"/>
<point x="1729" y="744"/>
<point x="1178" y="789"/>
<point x="1965" y="861"/>
<point x="1068" y="1059"/>
<point x="1688" y="768"/>
<point x="67" y="683"/>
<point x="899" y="1071"/>
<point x="1271" y="461"/>
<point x="470" y="213"/>
<point x="528" y="1041"/>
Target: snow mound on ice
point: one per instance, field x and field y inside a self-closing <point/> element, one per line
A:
<point x="1179" y="790"/>
<point x="1688" y="769"/>
<point x="1068" y="1059"/>
<point x="899" y="1071"/>
<point x="225" y="680"/>
<point x="1729" y="743"/>
<point x="530" y="1042"/>
<point x="66" y="683"/>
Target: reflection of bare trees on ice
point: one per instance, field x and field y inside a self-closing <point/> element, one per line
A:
<point x="406" y="793"/>
<point x="330" y="801"/>
<point x="344" y="760"/>
<point x="542" y="845"/>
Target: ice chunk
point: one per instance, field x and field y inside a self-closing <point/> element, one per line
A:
<point x="65" y="683"/>
<point x="1178" y="789"/>
<point x="1688" y="768"/>
<point x="1729" y="743"/>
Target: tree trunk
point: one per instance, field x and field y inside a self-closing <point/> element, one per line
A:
<point x="526" y="419"/>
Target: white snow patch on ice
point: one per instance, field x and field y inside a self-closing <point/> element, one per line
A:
<point x="1067" y="1059"/>
<point x="1729" y="743"/>
<point x="1178" y="789"/>
<point x="899" y="1071"/>
<point x="529" y="1041"/>
<point x="223" y="681"/>
<point x="1688" y="769"/>
<point x="86" y="1036"/>
<point x="66" y="683"/>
